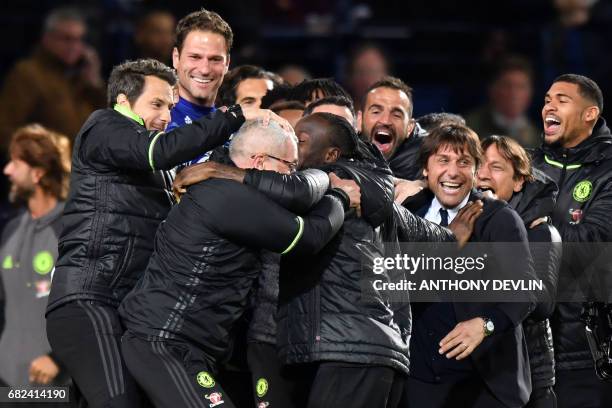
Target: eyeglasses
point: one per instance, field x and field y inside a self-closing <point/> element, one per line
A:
<point x="291" y="165"/>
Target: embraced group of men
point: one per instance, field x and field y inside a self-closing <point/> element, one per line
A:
<point x="151" y="296"/>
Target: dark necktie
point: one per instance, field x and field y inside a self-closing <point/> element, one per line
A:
<point x="444" y="217"/>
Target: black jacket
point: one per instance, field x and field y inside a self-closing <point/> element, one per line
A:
<point x="118" y="198"/>
<point x="328" y="308"/>
<point x="403" y="163"/>
<point x="207" y="259"/>
<point x="536" y="200"/>
<point x="298" y="193"/>
<point x="501" y="360"/>
<point x="582" y="215"/>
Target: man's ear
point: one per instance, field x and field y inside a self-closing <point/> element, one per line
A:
<point x="332" y="155"/>
<point x="359" y="120"/>
<point x="518" y="184"/>
<point x="425" y="173"/>
<point x="175" y="57"/>
<point x="122" y="100"/>
<point x="591" y="113"/>
<point x="258" y="162"/>
<point x="37" y="174"/>
<point x="227" y="65"/>
<point x="411" y="125"/>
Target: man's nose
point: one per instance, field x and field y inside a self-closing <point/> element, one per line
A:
<point x="8" y="169"/>
<point x="483" y="173"/>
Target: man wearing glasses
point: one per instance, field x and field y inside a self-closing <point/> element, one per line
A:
<point x="181" y="315"/>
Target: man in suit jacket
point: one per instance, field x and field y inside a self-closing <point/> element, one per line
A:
<point x="468" y="354"/>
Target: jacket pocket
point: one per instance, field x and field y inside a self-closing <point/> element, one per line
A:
<point x="123" y="262"/>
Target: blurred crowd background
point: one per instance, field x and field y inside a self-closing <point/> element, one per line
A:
<point x="489" y="61"/>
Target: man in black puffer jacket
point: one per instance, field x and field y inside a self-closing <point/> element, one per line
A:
<point x="329" y="332"/>
<point x="577" y="155"/>
<point x="272" y="383"/>
<point x="117" y="199"/>
<point x="181" y="316"/>
<point x="507" y="172"/>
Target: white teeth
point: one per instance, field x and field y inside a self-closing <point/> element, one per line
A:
<point x="202" y="81"/>
<point x="450" y="185"/>
<point x="382" y="132"/>
<point x="550" y="120"/>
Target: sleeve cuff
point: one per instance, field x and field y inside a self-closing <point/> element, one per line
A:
<point x="234" y="117"/>
<point x="342" y="196"/>
<point x="500" y="320"/>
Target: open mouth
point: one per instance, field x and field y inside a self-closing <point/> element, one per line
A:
<point x="450" y="187"/>
<point x="202" y="80"/>
<point x="485" y="187"/>
<point x="551" y="124"/>
<point x="383" y="139"/>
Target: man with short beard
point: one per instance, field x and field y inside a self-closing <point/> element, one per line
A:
<point x="38" y="171"/>
<point x="386" y="121"/>
<point x="577" y="155"/>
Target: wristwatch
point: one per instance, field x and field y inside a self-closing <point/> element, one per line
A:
<point x="488" y="326"/>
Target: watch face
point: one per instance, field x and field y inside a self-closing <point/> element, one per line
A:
<point x="490" y="326"/>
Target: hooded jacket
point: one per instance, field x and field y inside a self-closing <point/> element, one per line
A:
<point x="582" y="215"/>
<point x="537" y="200"/>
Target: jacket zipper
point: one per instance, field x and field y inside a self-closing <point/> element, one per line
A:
<point x="316" y="313"/>
<point x="563" y="171"/>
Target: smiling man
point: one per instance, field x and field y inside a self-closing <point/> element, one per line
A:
<point x="468" y="352"/>
<point x="577" y="155"/>
<point x="386" y="121"/>
<point x="201" y="58"/>
<point x="117" y="199"/>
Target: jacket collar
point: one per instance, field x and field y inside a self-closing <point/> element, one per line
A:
<point x="536" y="199"/>
<point x="128" y="113"/>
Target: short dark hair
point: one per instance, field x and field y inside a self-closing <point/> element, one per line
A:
<point x="129" y="78"/>
<point x="279" y="106"/>
<point x="512" y="151"/>
<point x="341" y="134"/>
<point x="50" y="151"/>
<point x="227" y="91"/>
<point x="393" y="83"/>
<point x="511" y="63"/>
<point x="586" y="87"/>
<point x="281" y="92"/>
<point x="435" y="119"/>
<point x="456" y="136"/>
<point x="203" y="20"/>
<point x="319" y="88"/>
<point x="331" y="100"/>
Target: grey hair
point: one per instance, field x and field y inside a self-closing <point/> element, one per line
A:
<point x="270" y="139"/>
<point x="62" y="14"/>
